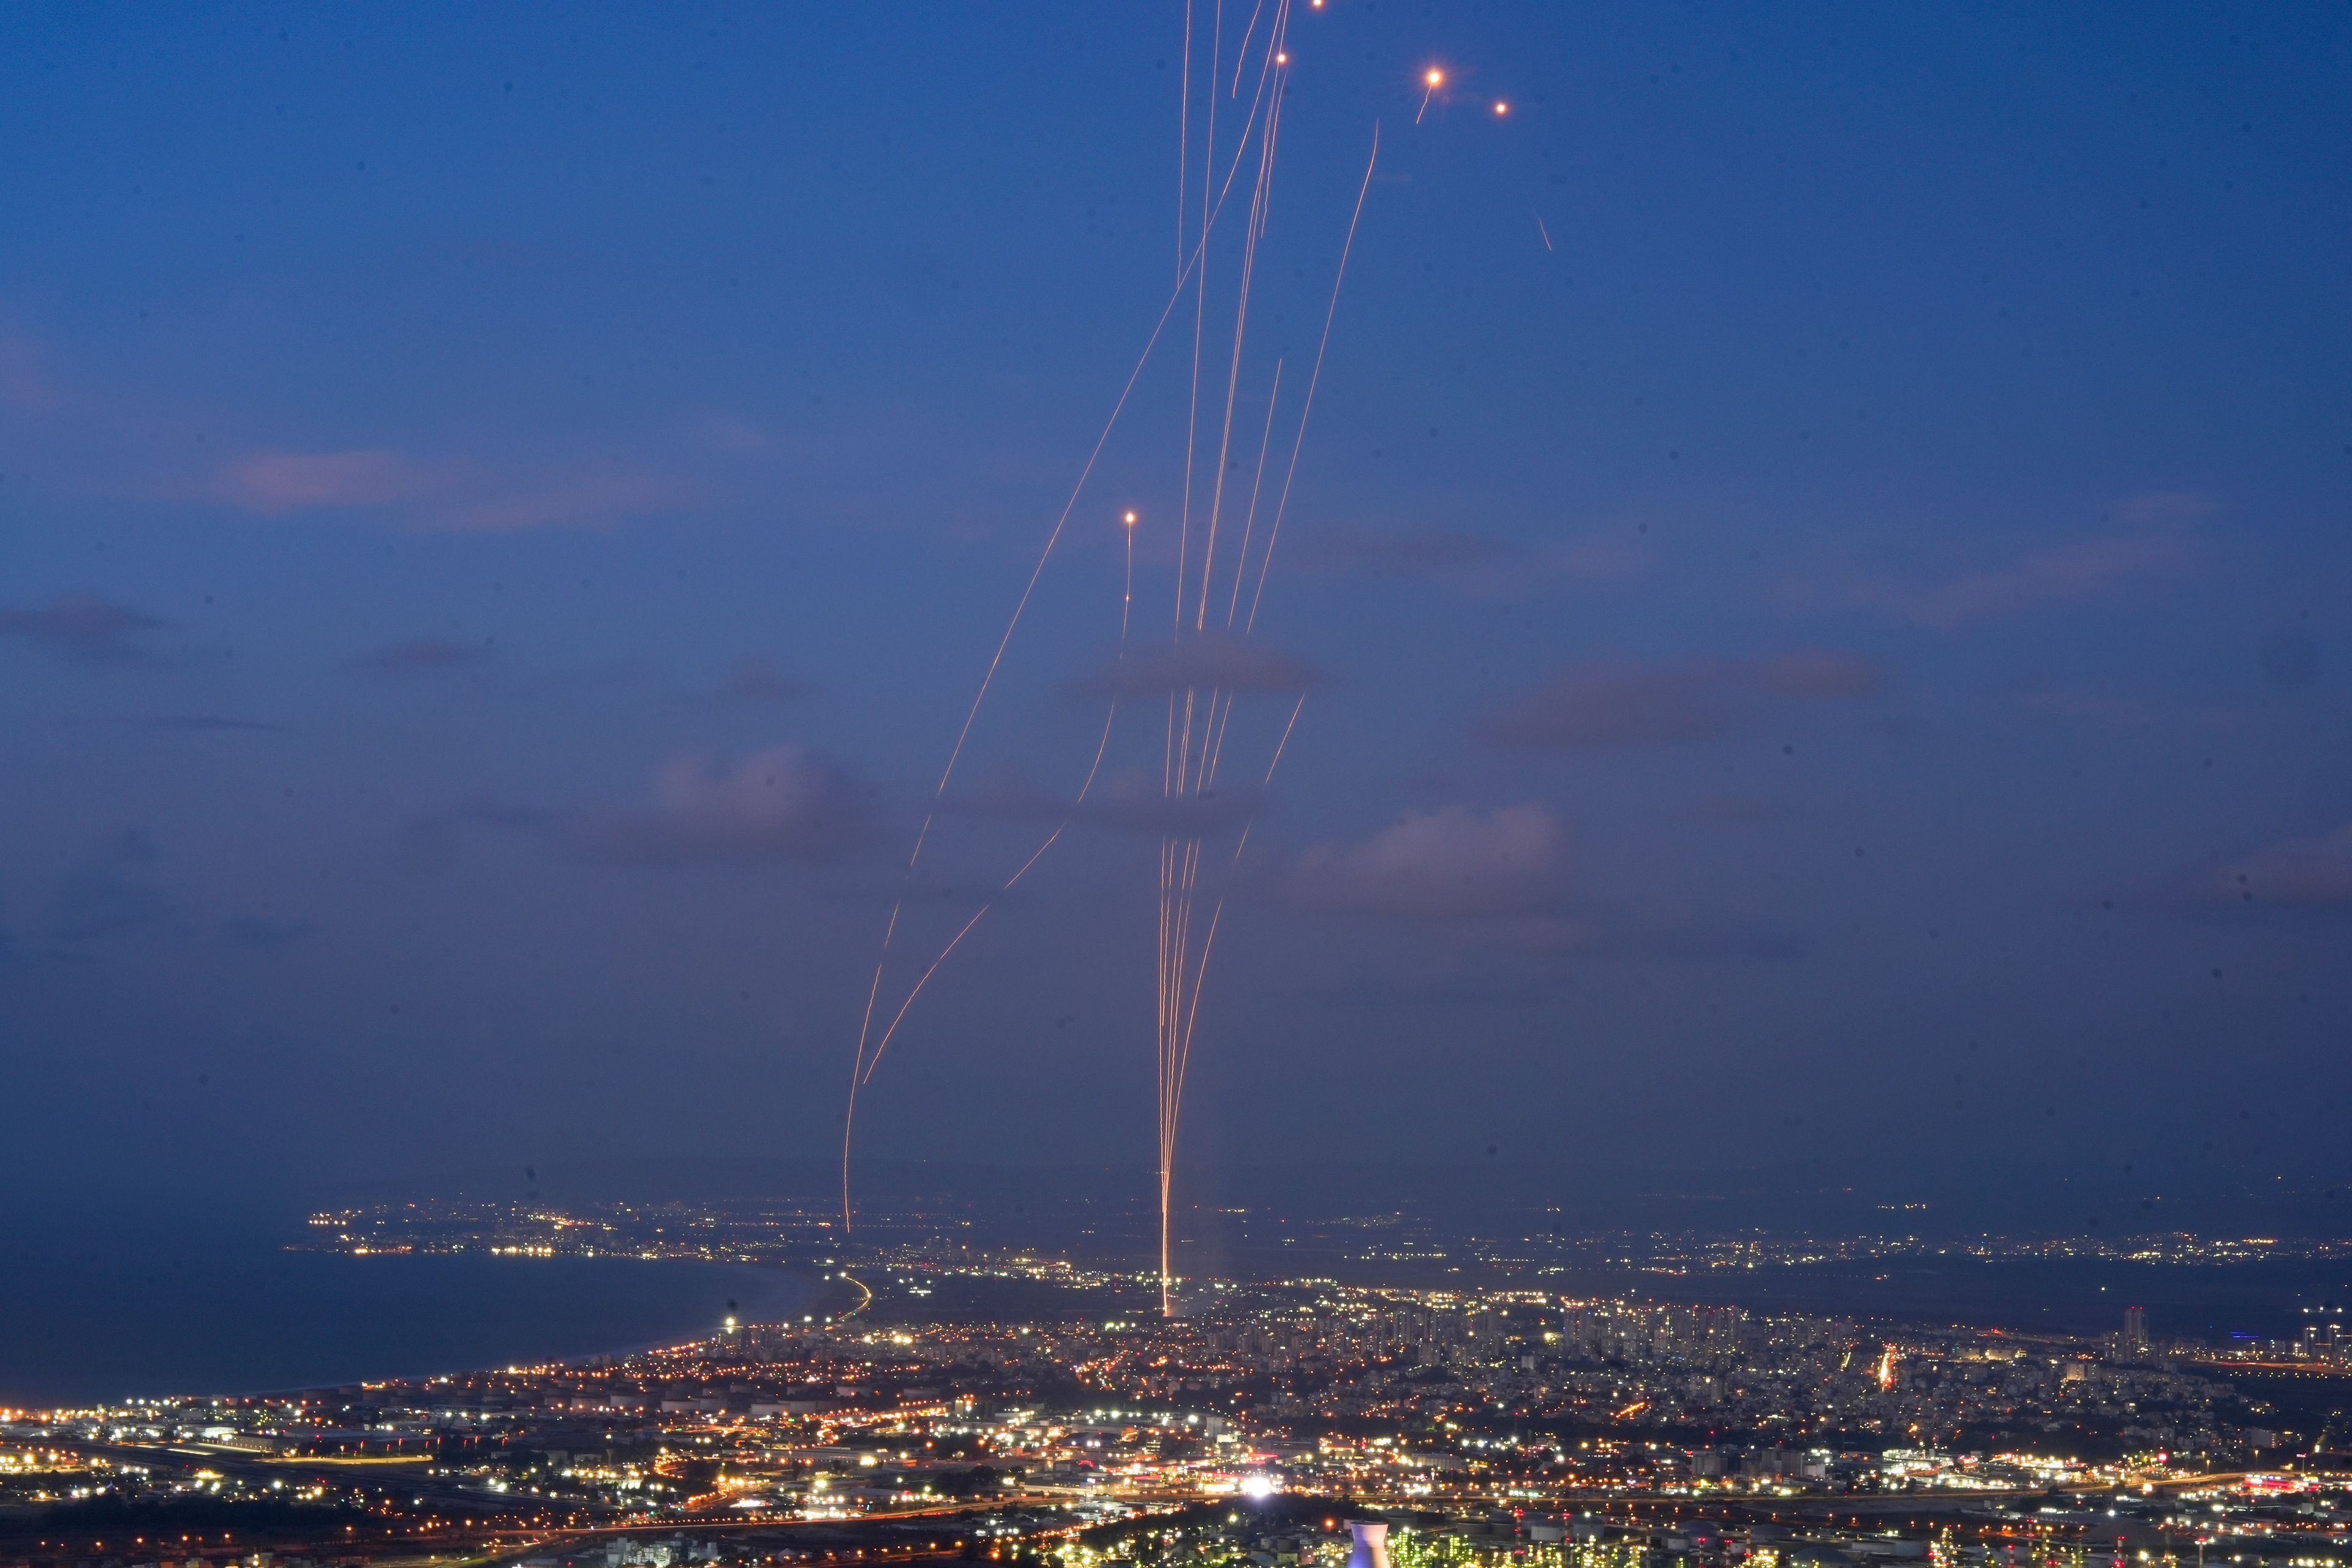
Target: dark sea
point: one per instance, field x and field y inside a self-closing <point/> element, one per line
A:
<point x="2213" y="1303"/>
<point x="91" y="1312"/>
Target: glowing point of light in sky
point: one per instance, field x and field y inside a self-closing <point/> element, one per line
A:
<point x="1436" y="76"/>
<point x="1282" y="59"/>
<point x="1501" y="108"/>
<point x="1131" y="519"/>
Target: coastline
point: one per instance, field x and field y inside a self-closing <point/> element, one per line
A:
<point x="219" y="1316"/>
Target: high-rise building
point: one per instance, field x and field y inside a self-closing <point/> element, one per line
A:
<point x="2136" y="1341"/>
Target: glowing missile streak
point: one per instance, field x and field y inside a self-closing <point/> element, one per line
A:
<point x="1249" y="521"/>
<point x="1232" y="375"/>
<point x="1435" y="80"/>
<point x="1313" y="378"/>
<point x="1216" y="913"/>
<point x="1178" y="873"/>
<point x="1184" y="141"/>
<point x="1241" y="55"/>
<point x="1180" y="863"/>
<point x="889" y="932"/>
<point x="1126" y="599"/>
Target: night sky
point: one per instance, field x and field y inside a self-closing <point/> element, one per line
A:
<point x="1819" y="571"/>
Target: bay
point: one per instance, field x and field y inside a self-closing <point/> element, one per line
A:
<point x="92" y="1312"/>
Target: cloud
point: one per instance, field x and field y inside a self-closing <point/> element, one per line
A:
<point x="1456" y="862"/>
<point x="1203" y="661"/>
<point x="2154" y="539"/>
<point x="420" y="655"/>
<point x="2163" y="509"/>
<point x="780" y="804"/>
<point x="2066" y="574"/>
<point x="1811" y="673"/>
<point x="1613" y="703"/>
<point x="2301" y="873"/>
<point x="277" y="483"/>
<point x="760" y="681"/>
<point x="591" y="499"/>
<point x="456" y="497"/>
<point x="1475" y="563"/>
<point x="82" y="627"/>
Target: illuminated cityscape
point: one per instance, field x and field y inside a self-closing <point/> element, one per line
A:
<point x="943" y="1398"/>
<point x="1188" y="784"/>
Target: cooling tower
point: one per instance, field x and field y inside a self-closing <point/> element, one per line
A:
<point x="1372" y="1548"/>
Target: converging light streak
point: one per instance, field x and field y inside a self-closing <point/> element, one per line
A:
<point x="861" y="1066"/>
<point x="1198" y="722"/>
<point x="1189" y="770"/>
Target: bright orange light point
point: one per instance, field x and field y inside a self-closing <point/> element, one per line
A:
<point x="1501" y="108"/>
<point x="1131" y="519"/>
<point x="1282" y="59"/>
<point x="1435" y="76"/>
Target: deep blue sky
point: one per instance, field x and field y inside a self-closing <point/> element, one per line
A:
<point x="1823" y="534"/>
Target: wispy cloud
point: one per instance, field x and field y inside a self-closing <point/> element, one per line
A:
<point x="416" y="655"/>
<point x="1201" y="662"/>
<point x="1496" y="911"/>
<point x="453" y="496"/>
<point x="277" y="483"/>
<point x="1478" y="563"/>
<point x="1455" y="862"/>
<point x="2069" y="574"/>
<point x="1617" y="704"/>
<point x="2312" y="874"/>
<point x="780" y="804"/>
<point x="83" y="626"/>
<point x="2146" y="536"/>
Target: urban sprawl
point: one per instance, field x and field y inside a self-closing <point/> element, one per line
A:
<point x="936" y="1399"/>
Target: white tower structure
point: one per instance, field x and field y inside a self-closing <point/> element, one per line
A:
<point x="1372" y="1548"/>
